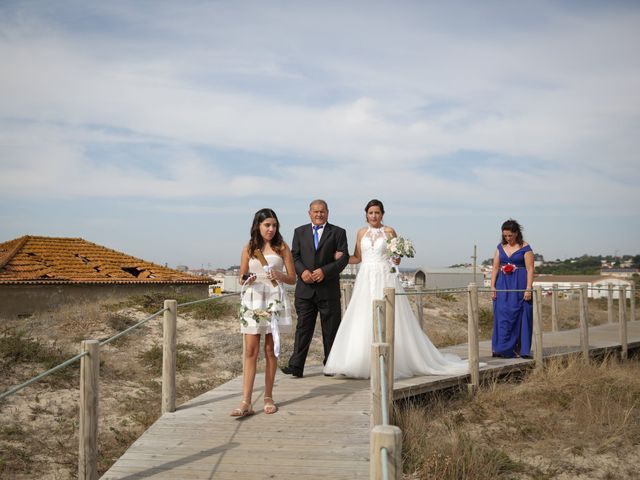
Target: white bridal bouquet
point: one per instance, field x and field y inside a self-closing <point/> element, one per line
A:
<point x="398" y="247"/>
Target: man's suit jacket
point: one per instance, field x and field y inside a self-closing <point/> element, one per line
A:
<point x="306" y="257"/>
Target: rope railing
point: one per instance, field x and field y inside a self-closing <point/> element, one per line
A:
<point x="554" y="291"/>
<point x="386" y="439"/>
<point x="42" y="375"/>
<point x="89" y="378"/>
<point x="72" y="360"/>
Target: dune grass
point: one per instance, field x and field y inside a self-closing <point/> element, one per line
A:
<point x="570" y="419"/>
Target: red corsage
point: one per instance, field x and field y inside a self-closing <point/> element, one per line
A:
<point x="508" y="269"/>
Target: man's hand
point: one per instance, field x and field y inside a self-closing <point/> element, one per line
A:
<point x="307" y="277"/>
<point x="317" y="275"/>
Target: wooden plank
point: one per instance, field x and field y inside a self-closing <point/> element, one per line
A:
<point x="321" y="429"/>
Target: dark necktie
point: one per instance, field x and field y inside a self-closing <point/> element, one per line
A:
<point x="316" y="239"/>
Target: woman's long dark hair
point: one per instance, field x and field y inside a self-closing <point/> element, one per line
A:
<point x="374" y="203"/>
<point x="257" y="242"/>
<point x="513" y="227"/>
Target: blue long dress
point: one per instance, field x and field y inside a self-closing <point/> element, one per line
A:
<point x="512" y="315"/>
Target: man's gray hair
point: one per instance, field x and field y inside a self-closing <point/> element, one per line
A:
<point x="319" y="200"/>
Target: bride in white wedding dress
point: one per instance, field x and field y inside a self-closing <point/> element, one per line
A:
<point x="351" y="350"/>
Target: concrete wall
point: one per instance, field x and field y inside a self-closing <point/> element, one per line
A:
<point x="18" y="300"/>
<point x="447" y="278"/>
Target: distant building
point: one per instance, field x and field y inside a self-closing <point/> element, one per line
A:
<point x="41" y="273"/>
<point x="577" y="281"/>
<point x="435" y="278"/>
<point x="620" y="272"/>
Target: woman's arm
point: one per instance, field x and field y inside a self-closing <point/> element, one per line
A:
<point x="244" y="264"/>
<point x="357" y="255"/>
<point x="289" y="275"/>
<point x="528" y="263"/>
<point x="391" y="233"/>
<point x="494" y="274"/>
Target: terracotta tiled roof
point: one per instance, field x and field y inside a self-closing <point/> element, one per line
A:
<point x="41" y="260"/>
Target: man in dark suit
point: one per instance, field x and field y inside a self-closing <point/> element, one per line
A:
<point x="314" y="249"/>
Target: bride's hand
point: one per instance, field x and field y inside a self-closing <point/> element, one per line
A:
<point x="396" y="260"/>
<point x="338" y="255"/>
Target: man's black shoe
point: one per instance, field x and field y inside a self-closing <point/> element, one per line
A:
<point x="291" y="371"/>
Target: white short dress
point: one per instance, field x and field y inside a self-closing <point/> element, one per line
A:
<point x="261" y="300"/>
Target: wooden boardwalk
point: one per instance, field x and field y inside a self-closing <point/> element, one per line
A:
<point x="321" y="430"/>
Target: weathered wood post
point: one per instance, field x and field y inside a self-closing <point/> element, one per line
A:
<point x="537" y="327"/>
<point x="554" y="308"/>
<point x="89" y="385"/>
<point x="632" y="303"/>
<point x="622" y="319"/>
<point x="610" y="303"/>
<point x="379" y="324"/>
<point x="420" y="307"/>
<point x="388" y="437"/>
<point x="584" y="323"/>
<point x="472" y="332"/>
<point x="390" y="336"/>
<point x="169" y="356"/>
<point x="377" y="405"/>
<point x="348" y="291"/>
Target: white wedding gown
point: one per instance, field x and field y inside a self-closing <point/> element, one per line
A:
<point x="414" y="352"/>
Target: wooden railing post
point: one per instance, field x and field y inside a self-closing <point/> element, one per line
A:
<point x="390" y="336"/>
<point x="348" y="290"/>
<point x="169" y="356"/>
<point x="89" y="381"/>
<point x="420" y="307"/>
<point x="610" y="303"/>
<point x="377" y="349"/>
<point x="622" y="319"/>
<point x="537" y="327"/>
<point x="377" y="338"/>
<point x="584" y="323"/>
<point x="554" y="308"/>
<point x="632" y="302"/>
<point x="472" y="332"/>
<point x="388" y="437"/>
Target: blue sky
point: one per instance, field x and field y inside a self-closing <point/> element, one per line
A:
<point x="159" y="128"/>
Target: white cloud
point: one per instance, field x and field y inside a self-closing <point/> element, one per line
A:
<point x="532" y="107"/>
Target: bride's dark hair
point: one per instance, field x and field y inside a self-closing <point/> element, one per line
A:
<point x="374" y="203"/>
<point x="514" y="227"/>
<point x="257" y="242"/>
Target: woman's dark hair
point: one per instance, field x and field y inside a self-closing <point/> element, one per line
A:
<point x="374" y="203"/>
<point x="513" y="227"/>
<point x="257" y="242"/>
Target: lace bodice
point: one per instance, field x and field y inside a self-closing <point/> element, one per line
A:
<point x="373" y="246"/>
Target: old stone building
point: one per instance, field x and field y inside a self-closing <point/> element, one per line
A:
<point x="42" y="273"/>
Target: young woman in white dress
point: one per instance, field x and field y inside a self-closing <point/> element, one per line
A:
<point x="351" y="351"/>
<point x="259" y="300"/>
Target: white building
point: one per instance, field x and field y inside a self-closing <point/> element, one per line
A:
<point x="577" y="281"/>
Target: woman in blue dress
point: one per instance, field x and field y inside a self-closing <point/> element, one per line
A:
<point x="512" y="311"/>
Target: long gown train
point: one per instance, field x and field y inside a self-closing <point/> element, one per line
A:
<point x="414" y="352"/>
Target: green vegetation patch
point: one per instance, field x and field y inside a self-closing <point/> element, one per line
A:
<point x="210" y="310"/>
<point x="587" y="410"/>
<point x="188" y="355"/>
<point x="19" y="347"/>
